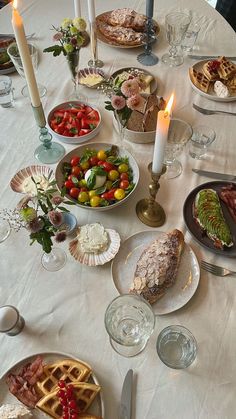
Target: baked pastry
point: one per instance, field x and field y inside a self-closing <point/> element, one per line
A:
<point x="208" y="213"/>
<point x="199" y="80"/>
<point x="84" y="393"/>
<point x="120" y="35"/>
<point x="157" y="266"/>
<point x="127" y="18"/>
<point x="67" y="370"/>
<point x="226" y="69"/>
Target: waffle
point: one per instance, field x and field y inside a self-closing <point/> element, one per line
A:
<point x="67" y="370"/>
<point x="210" y="70"/>
<point x="226" y="69"/>
<point x="199" y="80"/>
<point x="84" y="393"/>
<point x="231" y="84"/>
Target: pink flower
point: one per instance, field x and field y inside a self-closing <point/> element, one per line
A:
<point x="130" y="88"/>
<point x="55" y="217"/>
<point x="60" y="237"/>
<point x="57" y="36"/>
<point x="35" y="225"/>
<point x="136" y="103"/>
<point x="57" y="200"/>
<point x="118" y="102"/>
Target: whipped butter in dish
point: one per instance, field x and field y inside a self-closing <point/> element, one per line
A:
<point x="93" y="238"/>
<point x="29" y="187"/>
<point x="220" y="89"/>
<point x="14" y="411"/>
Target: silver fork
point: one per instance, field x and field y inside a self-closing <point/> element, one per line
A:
<point x="216" y="270"/>
<point x="211" y="112"/>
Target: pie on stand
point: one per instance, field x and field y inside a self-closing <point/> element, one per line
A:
<point x="64" y="310"/>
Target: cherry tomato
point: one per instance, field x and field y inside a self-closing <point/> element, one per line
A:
<point x="92" y="193"/>
<point x="95" y="201"/>
<point x="108" y="185"/>
<point x="69" y="184"/>
<point x="75" y="161"/>
<point x="83" y="197"/>
<point x="74" y="192"/>
<point x="124" y="176"/>
<point x="85" y="165"/>
<point x="109" y="195"/>
<point x="76" y="171"/>
<point x="119" y="194"/>
<point x="93" y="161"/>
<point x="123" y="167"/>
<point x="82" y="183"/>
<point x="107" y="166"/>
<point x="113" y="175"/>
<point x="101" y="155"/>
<point x="124" y="184"/>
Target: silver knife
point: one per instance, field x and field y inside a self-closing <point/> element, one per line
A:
<point x="207" y="57"/>
<point x="125" y="411"/>
<point x="214" y="175"/>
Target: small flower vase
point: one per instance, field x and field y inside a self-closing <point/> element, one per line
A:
<point x="73" y="63"/>
<point x="120" y="129"/>
<point x="54" y="260"/>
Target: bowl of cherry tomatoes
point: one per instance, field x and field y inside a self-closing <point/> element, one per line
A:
<point x="74" y="122"/>
<point x="99" y="176"/>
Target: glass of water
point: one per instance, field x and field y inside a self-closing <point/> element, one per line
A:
<point x="129" y="321"/>
<point x="176" y="26"/>
<point x="190" y="37"/>
<point x="176" y="347"/>
<point x="14" y="54"/>
<point x="202" y="138"/>
<point x="6" y="92"/>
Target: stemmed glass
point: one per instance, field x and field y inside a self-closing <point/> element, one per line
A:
<point x="179" y="134"/>
<point x="176" y="26"/>
<point x="129" y="321"/>
<point x="54" y="260"/>
<point x="14" y="54"/>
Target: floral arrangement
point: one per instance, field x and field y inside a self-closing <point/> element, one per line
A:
<point x="69" y="35"/>
<point x="124" y="95"/>
<point x="41" y="215"/>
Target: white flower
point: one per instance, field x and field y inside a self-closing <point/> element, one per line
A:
<point x="79" y="23"/>
<point x="66" y="23"/>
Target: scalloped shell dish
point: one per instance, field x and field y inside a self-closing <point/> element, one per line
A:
<point x="86" y="72"/>
<point x="16" y="182"/>
<point x="93" y="259"/>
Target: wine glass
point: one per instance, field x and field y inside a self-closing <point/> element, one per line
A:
<point x="129" y="321"/>
<point x="14" y="54"/>
<point x="176" y="26"/>
<point x="179" y="134"/>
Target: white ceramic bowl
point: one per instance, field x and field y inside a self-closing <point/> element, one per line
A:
<point x="96" y="146"/>
<point x="73" y="140"/>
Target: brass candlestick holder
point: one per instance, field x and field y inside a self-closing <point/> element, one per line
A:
<point x="148" y="210"/>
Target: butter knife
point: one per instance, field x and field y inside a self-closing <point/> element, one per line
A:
<point x="207" y="57"/>
<point x="125" y="411"/>
<point x="214" y="175"/>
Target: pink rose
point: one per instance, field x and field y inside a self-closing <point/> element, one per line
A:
<point x="118" y="102"/>
<point x="130" y="88"/>
<point x="136" y="103"/>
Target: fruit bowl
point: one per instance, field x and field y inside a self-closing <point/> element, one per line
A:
<point x="74" y="122"/>
<point x="105" y="197"/>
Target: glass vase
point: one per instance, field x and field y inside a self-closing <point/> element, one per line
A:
<point x="54" y="260"/>
<point x="120" y="130"/>
<point x="73" y="63"/>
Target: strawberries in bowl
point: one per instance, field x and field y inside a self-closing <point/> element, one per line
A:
<point x="74" y="122"/>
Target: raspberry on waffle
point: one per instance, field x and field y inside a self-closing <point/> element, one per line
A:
<point x="199" y="80"/>
<point x="67" y="370"/>
<point x="226" y="68"/>
<point x="84" y="393"/>
<point x="210" y="70"/>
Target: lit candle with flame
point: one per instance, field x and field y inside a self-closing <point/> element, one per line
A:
<point x="163" y="122"/>
<point x="19" y="31"/>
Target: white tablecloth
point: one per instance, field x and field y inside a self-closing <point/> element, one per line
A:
<point x="64" y="311"/>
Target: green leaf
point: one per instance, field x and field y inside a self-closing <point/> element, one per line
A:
<point x="101" y="190"/>
<point x="74" y="180"/>
<point x="91" y="180"/>
<point x="98" y="170"/>
<point x="63" y="191"/>
<point x="64" y="209"/>
<point x="87" y="154"/>
<point x="66" y="168"/>
<point x="68" y="203"/>
<point x="56" y="49"/>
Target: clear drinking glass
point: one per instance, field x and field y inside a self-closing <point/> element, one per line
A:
<point x="176" y="26"/>
<point x="176" y="347"/>
<point x="202" y="138"/>
<point x="179" y="134"/>
<point x="190" y="37"/>
<point x="129" y="321"/>
<point x="14" y="54"/>
<point x="6" y="92"/>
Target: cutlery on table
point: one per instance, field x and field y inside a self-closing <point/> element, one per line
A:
<point x="214" y="175"/>
<point x="207" y="57"/>
<point x="211" y="112"/>
<point x="125" y="411"/>
<point x="216" y="270"/>
<point x="11" y="35"/>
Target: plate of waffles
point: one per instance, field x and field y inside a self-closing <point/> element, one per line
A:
<point x="214" y="79"/>
<point x="123" y="28"/>
<point x="34" y="381"/>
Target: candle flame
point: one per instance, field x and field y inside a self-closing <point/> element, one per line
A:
<point x="14" y="4"/>
<point x="169" y="105"/>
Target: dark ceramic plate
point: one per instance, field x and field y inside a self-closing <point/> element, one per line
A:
<point x="194" y="228"/>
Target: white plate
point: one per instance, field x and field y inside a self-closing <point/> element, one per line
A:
<point x="124" y="265"/>
<point x="97" y="407"/>
<point x="211" y="94"/>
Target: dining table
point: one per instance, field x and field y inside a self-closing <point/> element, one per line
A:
<point x="64" y="310"/>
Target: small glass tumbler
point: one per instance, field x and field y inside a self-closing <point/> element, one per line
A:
<point x="190" y="38"/>
<point x="176" y="347"/>
<point x="202" y="138"/>
<point x="6" y="92"/>
<point x="11" y="322"/>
